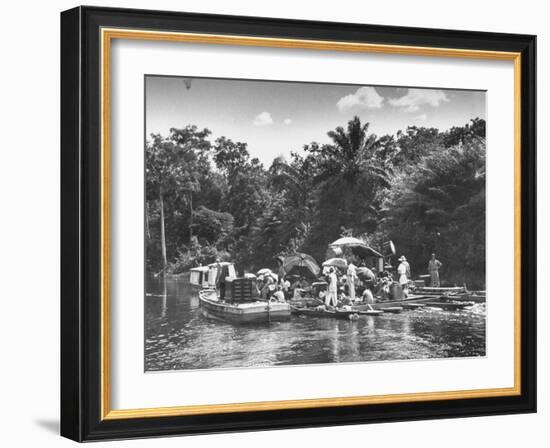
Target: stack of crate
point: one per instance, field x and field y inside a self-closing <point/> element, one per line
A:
<point x="243" y="290"/>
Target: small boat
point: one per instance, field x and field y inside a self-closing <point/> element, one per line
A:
<point x="350" y="313"/>
<point x="337" y="313"/>
<point x="472" y="296"/>
<point x="392" y="309"/>
<point x="243" y="312"/>
<point x="441" y="290"/>
<point x="412" y="301"/>
<point x="448" y="306"/>
<point x="370" y="312"/>
<point x="412" y="306"/>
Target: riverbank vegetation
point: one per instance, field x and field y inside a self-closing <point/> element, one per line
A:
<point x="421" y="188"/>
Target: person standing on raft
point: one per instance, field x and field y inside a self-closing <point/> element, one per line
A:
<point x="404" y="272"/>
<point x="331" y="299"/>
<point x="433" y="269"/>
<point x="351" y="279"/>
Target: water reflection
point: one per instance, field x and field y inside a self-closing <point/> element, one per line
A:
<point x="179" y="336"/>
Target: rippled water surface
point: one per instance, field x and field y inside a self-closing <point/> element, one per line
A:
<point x="179" y="336"/>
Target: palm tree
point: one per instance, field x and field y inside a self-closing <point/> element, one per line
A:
<point x="350" y="173"/>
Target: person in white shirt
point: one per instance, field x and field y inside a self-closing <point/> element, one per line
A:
<point x="351" y="279"/>
<point x="331" y="299"/>
<point x="367" y="296"/>
<point x="433" y="268"/>
<point x="279" y="295"/>
<point x="404" y="270"/>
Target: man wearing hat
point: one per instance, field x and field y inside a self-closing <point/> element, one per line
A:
<point x="404" y="271"/>
<point x="433" y="269"/>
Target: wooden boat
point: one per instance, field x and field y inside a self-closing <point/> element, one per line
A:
<point x="471" y="296"/>
<point x="447" y="306"/>
<point x="412" y="306"/>
<point x="440" y="290"/>
<point x="416" y="302"/>
<point x="337" y="313"/>
<point x="392" y="309"/>
<point x="412" y="301"/>
<point x="243" y="312"/>
<point x="370" y="312"/>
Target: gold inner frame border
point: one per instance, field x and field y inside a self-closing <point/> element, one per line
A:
<point x="107" y="35"/>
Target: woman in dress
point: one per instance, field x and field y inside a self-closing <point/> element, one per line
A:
<point x="404" y="270"/>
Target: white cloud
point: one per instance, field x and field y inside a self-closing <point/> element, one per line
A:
<point x="415" y="98"/>
<point x="263" y="119"/>
<point x="287" y="121"/>
<point x="363" y="98"/>
<point x="421" y="117"/>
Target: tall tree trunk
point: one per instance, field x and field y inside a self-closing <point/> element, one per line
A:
<point x="162" y="234"/>
<point x="190" y="217"/>
<point x="147" y="230"/>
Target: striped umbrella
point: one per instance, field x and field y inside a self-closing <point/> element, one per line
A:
<point x="302" y="265"/>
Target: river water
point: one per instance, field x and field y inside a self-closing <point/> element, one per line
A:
<point x="179" y="336"/>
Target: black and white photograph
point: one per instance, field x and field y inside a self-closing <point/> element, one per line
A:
<point x="291" y="223"/>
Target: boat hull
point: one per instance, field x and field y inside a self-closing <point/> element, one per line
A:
<point x="243" y="313"/>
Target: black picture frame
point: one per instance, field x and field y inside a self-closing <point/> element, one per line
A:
<point x="81" y="224"/>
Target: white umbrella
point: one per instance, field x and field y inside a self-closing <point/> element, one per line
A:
<point x="357" y="246"/>
<point x="347" y="241"/>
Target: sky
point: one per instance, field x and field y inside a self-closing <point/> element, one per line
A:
<point x="275" y="118"/>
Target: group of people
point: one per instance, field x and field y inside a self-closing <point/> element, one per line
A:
<point x="348" y="287"/>
<point x="404" y="272"/>
<point x="342" y="285"/>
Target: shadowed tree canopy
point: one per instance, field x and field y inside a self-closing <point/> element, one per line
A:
<point x="422" y="188"/>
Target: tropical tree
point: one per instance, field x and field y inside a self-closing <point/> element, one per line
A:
<point x="414" y="145"/>
<point x="457" y="135"/>
<point x="441" y="208"/>
<point x="247" y="192"/>
<point x="422" y="188"/>
<point x="349" y="178"/>
<point x="172" y="169"/>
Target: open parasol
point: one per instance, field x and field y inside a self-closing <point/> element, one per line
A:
<point x="264" y="271"/>
<point x="301" y="264"/>
<point x="365" y="274"/>
<point x="357" y="246"/>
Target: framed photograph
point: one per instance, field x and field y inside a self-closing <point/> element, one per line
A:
<point x="272" y="223"/>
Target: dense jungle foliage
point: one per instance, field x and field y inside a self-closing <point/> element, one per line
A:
<point x="421" y="188"/>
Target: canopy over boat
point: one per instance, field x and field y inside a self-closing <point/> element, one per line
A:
<point x="198" y="276"/>
<point x="227" y="270"/>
